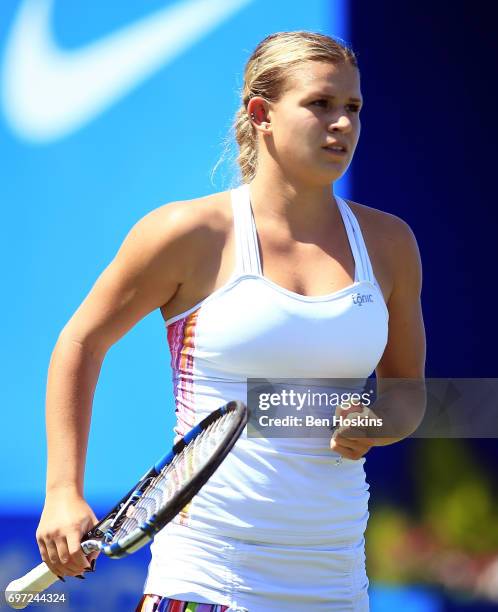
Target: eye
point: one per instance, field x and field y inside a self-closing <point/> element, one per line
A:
<point x="324" y="103"/>
<point x="321" y="102"/>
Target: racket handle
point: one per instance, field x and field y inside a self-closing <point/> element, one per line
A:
<point x="35" y="581"/>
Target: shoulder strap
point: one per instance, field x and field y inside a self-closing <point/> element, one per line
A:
<point x="363" y="268"/>
<point x="246" y="238"/>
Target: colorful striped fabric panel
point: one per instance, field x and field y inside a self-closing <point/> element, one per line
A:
<point x="156" y="603"/>
<point x="181" y="340"/>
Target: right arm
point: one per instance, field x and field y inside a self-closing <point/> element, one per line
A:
<point x="150" y="266"/>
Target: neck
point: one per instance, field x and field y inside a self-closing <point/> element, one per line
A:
<point x="300" y="206"/>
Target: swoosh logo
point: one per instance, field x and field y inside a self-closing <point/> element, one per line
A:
<point x="48" y="93"/>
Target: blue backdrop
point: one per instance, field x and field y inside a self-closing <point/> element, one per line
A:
<point x="79" y="174"/>
<point x="109" y="110"/>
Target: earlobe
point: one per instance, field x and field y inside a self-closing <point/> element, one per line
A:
<point x="265" y="124"/>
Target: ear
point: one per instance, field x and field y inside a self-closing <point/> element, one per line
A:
<point x="257" y="109"/>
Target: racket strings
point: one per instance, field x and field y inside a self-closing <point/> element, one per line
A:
<point x="173" y="477"/>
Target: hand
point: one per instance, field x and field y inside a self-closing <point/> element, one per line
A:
<point x="350" y="441"/>
<point x="65" y="518"/>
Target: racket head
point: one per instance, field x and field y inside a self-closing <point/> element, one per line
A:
<point x="105" y="535"/>
<point x="171" y="483"/>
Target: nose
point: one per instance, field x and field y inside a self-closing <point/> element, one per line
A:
<point x="340" y="123"/>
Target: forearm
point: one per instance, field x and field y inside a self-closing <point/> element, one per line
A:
<point x="72" y="379"/>
<point x="401" y="405"/>
<point x="396" y="413"/>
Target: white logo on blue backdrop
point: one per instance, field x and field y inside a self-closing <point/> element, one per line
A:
<point x="49" y="92"/>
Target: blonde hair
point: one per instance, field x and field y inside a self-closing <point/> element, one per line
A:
<point x="266" y="74"/>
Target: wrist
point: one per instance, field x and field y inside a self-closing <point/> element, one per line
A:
<point x="66" y="488"/>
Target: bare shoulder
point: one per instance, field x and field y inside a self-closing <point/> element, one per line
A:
<point x="183" y="229"/>
<point x="373" y="219"/>
<point x="392" y="247"/>
<point x="186" y="216"/>
<point x="386" y="229"/>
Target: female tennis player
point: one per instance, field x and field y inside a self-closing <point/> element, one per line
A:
<point x="277" y="278"/>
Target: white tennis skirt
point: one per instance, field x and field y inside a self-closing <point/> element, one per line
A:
<point x="195" y="566"/>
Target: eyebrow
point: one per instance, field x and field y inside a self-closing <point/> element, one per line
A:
<point x="332" y="97"/>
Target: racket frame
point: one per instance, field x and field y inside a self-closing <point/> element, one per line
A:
<point x="41" y="577"/>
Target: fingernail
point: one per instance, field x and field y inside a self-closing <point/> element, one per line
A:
<point x="92" y="564"/>
<point x="81" y="577"/>
<point x="61" y="578"/>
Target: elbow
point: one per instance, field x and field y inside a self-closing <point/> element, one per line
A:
<point x="83" y="344"/>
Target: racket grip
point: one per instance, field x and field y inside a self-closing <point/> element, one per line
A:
<point x="35" y="581"/>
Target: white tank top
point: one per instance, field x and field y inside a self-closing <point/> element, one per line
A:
<point x="280" y="490"/>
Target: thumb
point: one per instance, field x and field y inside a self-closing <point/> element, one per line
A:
<point x="91" y="521"/>
<point x="92" y="558"/>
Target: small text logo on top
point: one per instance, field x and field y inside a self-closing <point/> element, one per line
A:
<point x="362" y="298"/>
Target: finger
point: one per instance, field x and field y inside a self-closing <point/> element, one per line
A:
<point x="92" y="521"/>
<point x="45" y="556"/>
<point x="348" y="454"/>
<point x="355" y="443"/>
<point x="344" y="440"/>
<point x="68" y="564"/>
<point x="77" y="556"/>
<point x="346" y="449"/>
<point x="92" y="557"/>
<point x="341" y="448"/>
<point x="52" y="560"/>
<point x="42" y="548"/>
<point x="351" y="432"/>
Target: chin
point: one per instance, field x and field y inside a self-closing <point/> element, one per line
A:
<point x="337" y="173"/>
<point x="330" y="176"/>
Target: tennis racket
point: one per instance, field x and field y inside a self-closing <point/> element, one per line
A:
<point x="155" y="500"/>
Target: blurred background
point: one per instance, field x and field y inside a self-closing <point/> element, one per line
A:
<point x="109" y="110"/>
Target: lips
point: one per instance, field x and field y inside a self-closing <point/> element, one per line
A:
<point x="336" y="147"/>
<point x="337" y="153"/>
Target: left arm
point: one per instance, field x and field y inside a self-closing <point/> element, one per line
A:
<point x="404" y="355"/>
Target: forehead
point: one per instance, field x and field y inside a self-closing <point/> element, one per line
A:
<point x="324" y="77"/>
